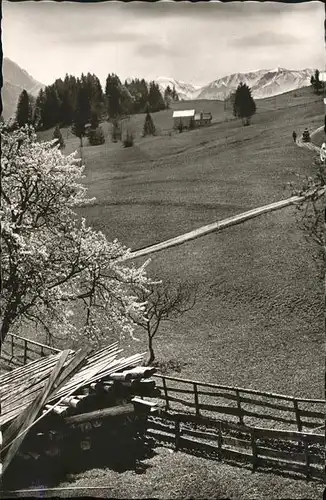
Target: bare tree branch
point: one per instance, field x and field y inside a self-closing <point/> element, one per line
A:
<point x="164" y="303"/>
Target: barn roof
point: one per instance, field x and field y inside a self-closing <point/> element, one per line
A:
<point x="183" y="113"/>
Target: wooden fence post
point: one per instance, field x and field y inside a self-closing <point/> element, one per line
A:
<point x="167" y="404"/>
<point x="25" y="352"/>
<point x="177" y="433"/>
<point x="239" y="406"/>
<point x="307" y="458"/>
<point x="254" y="450"/>
<point x="1" y="439"/>
<point x="297" y="414"/>
<point x="220" y="441"/>
<point x="196" y="400"/>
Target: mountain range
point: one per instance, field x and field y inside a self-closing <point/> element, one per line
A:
<point x="263" y="83"/>
<point x="15" y="80"/>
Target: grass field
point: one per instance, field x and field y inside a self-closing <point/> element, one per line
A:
<point x="258" y="319"/>
<point x="178" y="475"/>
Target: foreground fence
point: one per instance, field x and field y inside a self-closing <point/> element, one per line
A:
<point x="18" y="351"/>
<point x="244" y="406"/>
<point x="279" y="450"/>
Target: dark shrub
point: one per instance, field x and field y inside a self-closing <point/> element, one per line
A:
<point x="128" y="140"/>
<point x="96" y="137"/>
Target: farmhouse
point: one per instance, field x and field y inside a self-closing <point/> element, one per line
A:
<point x="203" y="119"/>
<point x="189" y="118"/>
<point x="184" y="118"/>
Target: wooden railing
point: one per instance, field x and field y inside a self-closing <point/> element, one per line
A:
<point x="18" y="351"/>
<point x="283" y="451"/>
<point x="246" y="406"/>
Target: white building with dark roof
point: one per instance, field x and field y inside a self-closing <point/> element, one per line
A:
<point x="183" y="117"/>
<point x="188" y="118"/>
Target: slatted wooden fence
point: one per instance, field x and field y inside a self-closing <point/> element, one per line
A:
<point x="18" y="351"/>
<point x="245" y="406"/>
<point x="280" y="450"/>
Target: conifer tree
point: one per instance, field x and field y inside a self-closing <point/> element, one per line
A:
<point x="94" y="120"/>
<point x="51" y="107"/>
<point x="129" y="139"/>
<point x="316" y="83"/>
<point x="96" y="136"/>
<point x="175" y="96"/>
<point x="168" y="96"/>
<point x="149" y="127"/>
<point x="66" y="108"/>
<point x="82" y="113"/>
<point x="24" y="113"/>
<point x="155" y="98"/>
<point x="116" y="131"/>
<point x="244" y="106"/>
<point x="38" y="110"/>
<point x="113" y="96"/>
<point x="58" y="135"/>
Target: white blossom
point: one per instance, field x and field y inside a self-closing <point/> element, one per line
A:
<point x="56" y="271"/>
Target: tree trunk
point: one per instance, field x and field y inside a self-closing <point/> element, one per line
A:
<point x="4" y="331"/>
<point x="151" y="357"/>
<point x="9" y="315"/>
<point x="81" y="148"/>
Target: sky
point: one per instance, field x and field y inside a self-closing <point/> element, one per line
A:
<point x="195" y="43"/>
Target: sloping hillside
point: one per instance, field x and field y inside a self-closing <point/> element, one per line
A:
<point x="15" y="80"/>
<point x="258" y="319"/>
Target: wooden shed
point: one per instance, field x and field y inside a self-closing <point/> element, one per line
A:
<point x="183" y="118"/>
<point x="202" y="119"/>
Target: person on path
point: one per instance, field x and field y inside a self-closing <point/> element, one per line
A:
<point x="294" y="135"/>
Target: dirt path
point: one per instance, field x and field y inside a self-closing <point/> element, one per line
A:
<point x="309" y="145"/>
<point x="238" y="219"/>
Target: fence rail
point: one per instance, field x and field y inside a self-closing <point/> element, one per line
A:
<point x="244" y="405"/>
<point x="18" y="351"/>
<point x="285" y="451"/>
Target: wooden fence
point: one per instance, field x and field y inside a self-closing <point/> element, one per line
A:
<point x="279" y="450"/>
<point x="18" y="351"/>
<point x="245" y="406"/>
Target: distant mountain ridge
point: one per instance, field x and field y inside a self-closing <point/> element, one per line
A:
<point x="15" y="80"/>
<point x="263" y="83"/>
<point x="184" y="90"/>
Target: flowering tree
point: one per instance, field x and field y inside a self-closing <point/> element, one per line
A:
<point x="56" y="272"/>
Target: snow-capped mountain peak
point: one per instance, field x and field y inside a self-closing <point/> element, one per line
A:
<point x="263" y="83"/>
<point x="184" y="90"/>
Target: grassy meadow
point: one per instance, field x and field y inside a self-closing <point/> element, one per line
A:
<point x="258" y="320"/>
<point x="170" y="475"/>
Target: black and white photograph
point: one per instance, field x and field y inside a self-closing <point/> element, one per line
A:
<point x="163" y="247"/>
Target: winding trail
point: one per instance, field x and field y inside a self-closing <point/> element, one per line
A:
<point x="310" y="145"/>
<point x="231" y="221"/>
